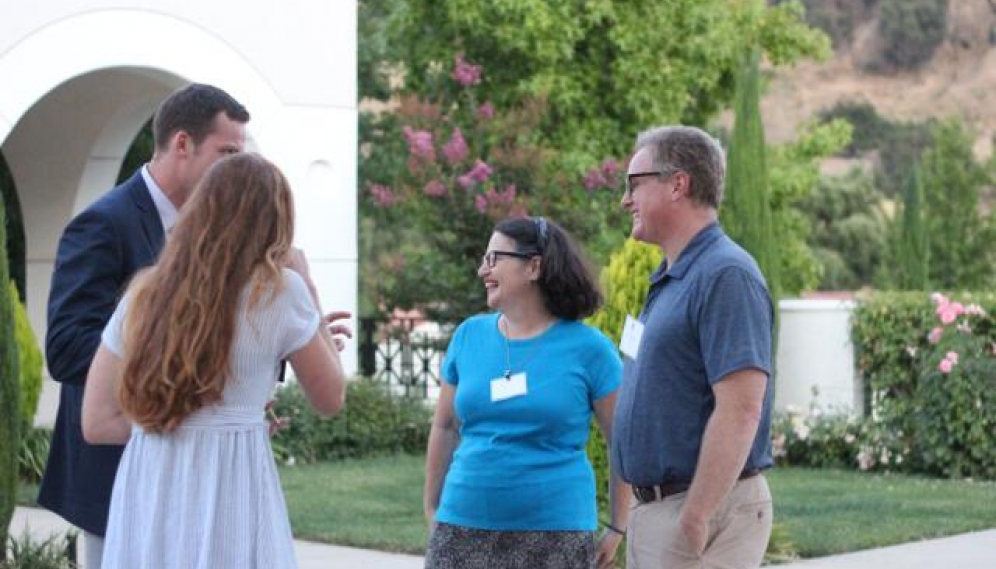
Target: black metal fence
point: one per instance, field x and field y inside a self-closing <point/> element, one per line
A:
<point x="406" y="361"/>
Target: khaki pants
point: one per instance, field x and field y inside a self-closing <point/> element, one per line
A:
<point x="738" y="532"/>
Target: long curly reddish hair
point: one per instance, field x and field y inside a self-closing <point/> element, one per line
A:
<point x="235" y="230"/>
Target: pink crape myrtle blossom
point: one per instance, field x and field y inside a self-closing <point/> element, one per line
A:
<point x="945" y="366"/>
<point x="479" y="174"/>
<point x="466" y="73"/>
<point x="434" y="188"/>
<point x="420" y="144"/>
<point x="456" y="149"/>
<point x="383" y="196"/>
<point x="486" y="111"/>
<point x="594" y="180"/>
<point x="481" y="203"/>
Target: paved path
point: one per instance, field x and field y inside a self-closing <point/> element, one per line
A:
<point x="310" y="555"/>
<point x="967" y="551"/>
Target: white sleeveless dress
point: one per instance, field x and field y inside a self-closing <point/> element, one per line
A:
<point x="207" y="496"/>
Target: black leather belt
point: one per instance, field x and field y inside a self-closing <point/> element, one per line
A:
<point x="646" y="494"/>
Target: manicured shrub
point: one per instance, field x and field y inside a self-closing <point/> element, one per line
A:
<point x="625" y="282"/>
<point x="374" y="421"/>
<point x="30" y="360"/>
<point x="929" y="367"/>
<point x="10" y="397"/>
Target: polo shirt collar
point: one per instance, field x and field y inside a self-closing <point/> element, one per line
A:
<point x="702" y="240"/>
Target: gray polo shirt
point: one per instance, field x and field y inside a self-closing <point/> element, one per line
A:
<point x="707" y="316"/>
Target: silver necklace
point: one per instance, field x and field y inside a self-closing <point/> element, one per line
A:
<point x="508" y="352"/>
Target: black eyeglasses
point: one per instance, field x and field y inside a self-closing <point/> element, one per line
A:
<point x="628" y="188"/>
<point x="491" y="257"/>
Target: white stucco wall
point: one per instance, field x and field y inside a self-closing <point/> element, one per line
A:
<point x="815" y="358"/>
<point x="79" y="77"/>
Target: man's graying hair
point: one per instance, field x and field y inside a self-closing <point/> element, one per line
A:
<point x="690" y="150"/>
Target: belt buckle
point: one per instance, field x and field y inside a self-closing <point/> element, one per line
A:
<point x="645" y="494"/>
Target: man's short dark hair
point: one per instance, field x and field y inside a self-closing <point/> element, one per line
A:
<point x="192" y="109"/>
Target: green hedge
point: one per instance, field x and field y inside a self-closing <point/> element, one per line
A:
<point x="924" y="415"/>
<point x="373" y="422"/>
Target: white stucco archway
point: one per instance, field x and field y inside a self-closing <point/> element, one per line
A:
<point x="78" y="79"/>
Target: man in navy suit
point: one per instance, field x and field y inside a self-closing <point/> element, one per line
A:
<point x="100" y="250"/>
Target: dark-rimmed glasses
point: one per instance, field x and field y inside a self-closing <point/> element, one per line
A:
<point x="628" y="187"/>
<point x="490" y="259"/>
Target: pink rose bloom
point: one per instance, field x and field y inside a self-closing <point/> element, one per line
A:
<point x="938" y="298"/>
<point x="456" y="149"/>
<point x="948" y="315"/>
<point x="953" y="356"/>
<point x="486" y="111"/>
<point x="935" y="335"/>
<point x="945" y="366"/>
<point x="465" y="73"/>
<point x="481" y="203"/>
<point x="435" y="188"/>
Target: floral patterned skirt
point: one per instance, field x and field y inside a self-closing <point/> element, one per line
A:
<point x="457" y="547"/>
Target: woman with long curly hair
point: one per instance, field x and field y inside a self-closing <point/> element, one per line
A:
<point x="185" y="368"/>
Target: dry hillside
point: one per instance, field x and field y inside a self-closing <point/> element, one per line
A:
<point x="959" y="80"/>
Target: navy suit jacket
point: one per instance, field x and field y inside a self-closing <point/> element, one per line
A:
<point x="100" y="250"/>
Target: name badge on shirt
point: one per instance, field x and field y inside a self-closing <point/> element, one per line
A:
<point x="630" y="341"/>
<point x="514" y="386"/>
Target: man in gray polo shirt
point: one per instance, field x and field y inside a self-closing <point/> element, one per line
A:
<point x="692" y="424"/>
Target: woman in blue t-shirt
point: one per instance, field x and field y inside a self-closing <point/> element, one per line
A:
<point x="508" y="482"/>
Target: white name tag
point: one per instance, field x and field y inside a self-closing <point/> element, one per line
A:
<point x="514" y="386"/>
<point x="630" y="341"/>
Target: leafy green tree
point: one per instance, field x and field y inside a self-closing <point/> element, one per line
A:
<point x="793" y="175"/>
<point x="960" y="235"/>
<point x="10" y="383"/>
<point x="910" y="30"/>
<point x="848" y="230"/>
<point x="441" y="174"/>
<point x="606" y="68"/>
<point x="747" y="205"/>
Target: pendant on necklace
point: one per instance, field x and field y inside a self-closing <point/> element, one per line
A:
<point x="508" y="374"/>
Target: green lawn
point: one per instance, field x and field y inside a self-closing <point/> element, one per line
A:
<point x="834" y="511"/>
<point x="377" y="503"/>
<point x="374" y="502"/>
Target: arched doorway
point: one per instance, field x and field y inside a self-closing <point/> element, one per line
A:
<point x="81" y="79"/>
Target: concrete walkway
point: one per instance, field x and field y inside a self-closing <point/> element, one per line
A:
<point x="310" y="555"/>
<point x="967" y="551"/>
<point x="975" y="550"/>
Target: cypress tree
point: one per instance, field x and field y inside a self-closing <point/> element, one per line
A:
<point x="746" y="210"/>
<point x="913" y="248"/>
<point x="10" y="383"/>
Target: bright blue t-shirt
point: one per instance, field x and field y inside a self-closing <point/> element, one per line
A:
<point x="521" y="462"/>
